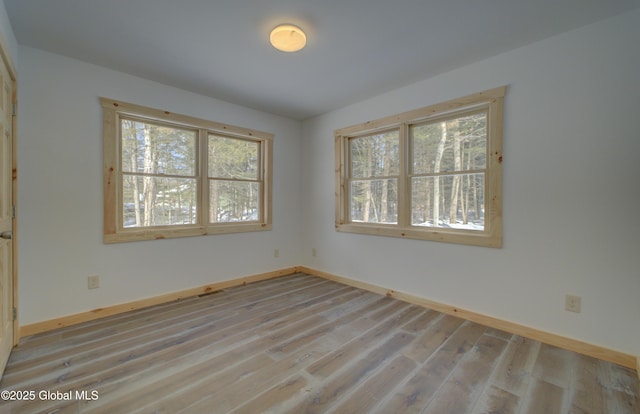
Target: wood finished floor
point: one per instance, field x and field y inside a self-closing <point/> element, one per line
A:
<point x="301" y="344"/>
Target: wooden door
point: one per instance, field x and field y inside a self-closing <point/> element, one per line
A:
<point x="7" y="212"/>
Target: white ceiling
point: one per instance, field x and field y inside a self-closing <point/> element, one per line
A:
<point x="356" y="48"/>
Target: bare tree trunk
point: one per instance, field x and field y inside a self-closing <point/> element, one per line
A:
<point x="236" y="205"/>
<point x="136" y="188"/>
<point x="385" y="186"/>
<point x="149" y="182"/>
<point x="465" y="195"/>
<point x="213" y="200"/>
<point x="214" y="185"/>
<point x="179" y="212"/>
<point x="455" y="185"/>
<point x="367" y="193"/>
<point x="248" y="207"/>
<point x="476" y="205"/>
<point x="436" y="179"/>
<point x="428" y="198"/>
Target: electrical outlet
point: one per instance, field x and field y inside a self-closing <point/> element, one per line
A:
<point x="93" y="282"/>
<point x="572" y="303"/>
<point x="276" y="253"/>
<point x="313" y="252"/>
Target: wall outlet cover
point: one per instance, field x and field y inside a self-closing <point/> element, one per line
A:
<point x="572" y="303"/>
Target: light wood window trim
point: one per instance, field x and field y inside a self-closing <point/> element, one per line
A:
<point x="491" y="101"/>
<point x="114" y="232"/>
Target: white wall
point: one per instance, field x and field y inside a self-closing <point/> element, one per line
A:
<point x="7" y="34"/>
<point x="571" y="196"/>
<point x="60" y="195"/>
<point x="571" y="191"/>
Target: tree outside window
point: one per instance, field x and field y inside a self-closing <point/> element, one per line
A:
<point x="170" y="175"/>
<point x="434" y="173"/>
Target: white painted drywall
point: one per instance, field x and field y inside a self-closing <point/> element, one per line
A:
<point x="60" y="195"/>
<point x="7" y="34"/>
<point x="571" y="191"/>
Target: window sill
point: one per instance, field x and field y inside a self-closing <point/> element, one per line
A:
<point x="131" y="235"/>
<point x="468" y="237"/>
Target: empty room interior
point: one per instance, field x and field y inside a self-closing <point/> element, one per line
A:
<point x="409" y="206"/>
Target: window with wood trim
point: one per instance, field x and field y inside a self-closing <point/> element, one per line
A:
<point x="169" y="175"/>
<point x="434" y="173"/>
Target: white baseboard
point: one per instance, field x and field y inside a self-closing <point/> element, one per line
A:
<point x="620" y="358"/>
<point x="595" y="351"/>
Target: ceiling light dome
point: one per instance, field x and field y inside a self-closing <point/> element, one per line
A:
<point x="288" y="38"/>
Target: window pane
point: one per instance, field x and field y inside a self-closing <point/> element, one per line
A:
<point x="375" y="155"/>
<point x="451" y="201"/>
<point x="157" y="201"/>
<point x="374" y="201"/>
<point x="233" y="201"/>
<point x="452" y="145"/>
<point x="157" y="149"/>
<point x="233" y="158"/>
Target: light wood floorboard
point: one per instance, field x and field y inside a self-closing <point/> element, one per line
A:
<point x="302" y="344"/>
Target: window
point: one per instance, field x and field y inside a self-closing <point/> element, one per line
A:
<point x="168" y="175"/>
<point x="434" y="173"/>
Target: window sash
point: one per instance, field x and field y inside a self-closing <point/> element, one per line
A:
<point x="258" y="162"/>
<point x="231" y="214"/>
<point x="141" y="213"/>
<point x="385" y="137"/>
<point x="165" y="125"/>
<point x="465" y="207"/>
<point x="371" y="206"/>
<point x="437" y="120"/>
<point x="115" y="229"/>
<point x="152" y="176"/>
<point x="490" y="234"/>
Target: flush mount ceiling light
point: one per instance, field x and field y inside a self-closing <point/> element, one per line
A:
<point x="288" y="38"/>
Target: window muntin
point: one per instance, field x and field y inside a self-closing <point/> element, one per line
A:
<point x="445" y="183"/>
<point x="169" y="175"/>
